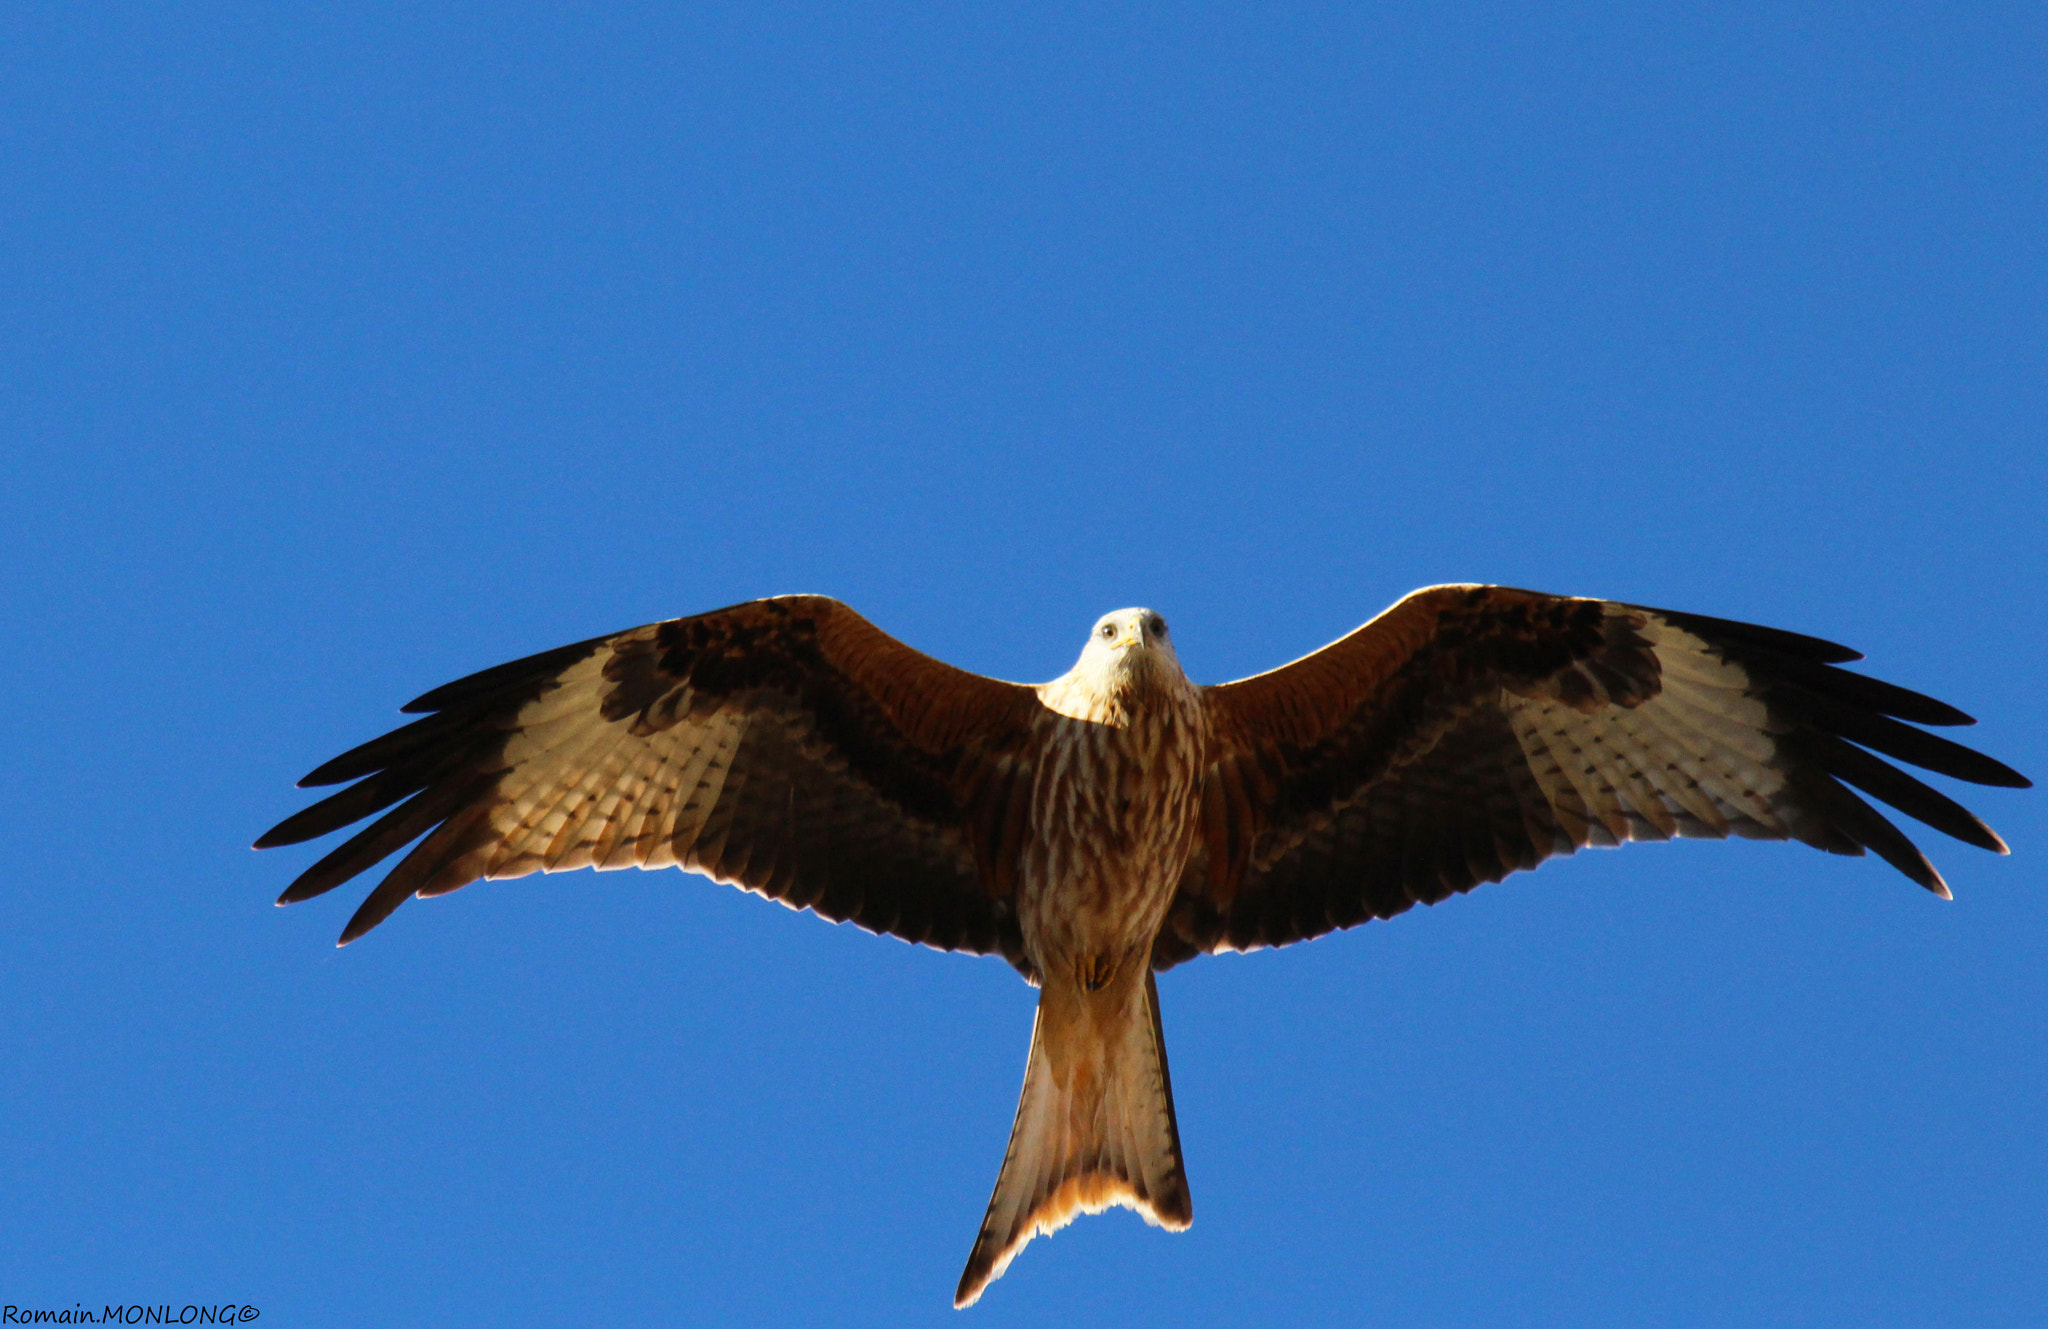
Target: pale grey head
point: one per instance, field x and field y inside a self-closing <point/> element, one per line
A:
<point x="1127" y="640"/>
<point x="1126" y="647"/>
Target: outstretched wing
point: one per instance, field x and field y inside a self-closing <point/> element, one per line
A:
<point x="787" y="745"/>
<point x="1471" y="731"/>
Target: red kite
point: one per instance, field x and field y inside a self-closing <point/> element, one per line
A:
<point x="1119" y="820"/>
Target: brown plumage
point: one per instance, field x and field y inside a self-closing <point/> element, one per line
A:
<point x="1120" y="820"/>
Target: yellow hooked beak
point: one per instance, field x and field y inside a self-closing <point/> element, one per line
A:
<point x="1134" y="635"/>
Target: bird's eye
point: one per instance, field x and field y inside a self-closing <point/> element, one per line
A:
<point x="1108" y="631"/>
<point x="1158" y="626"/>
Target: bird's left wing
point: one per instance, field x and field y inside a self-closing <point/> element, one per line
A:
<point x="1471" y="731"/>
<point x="788" y="746"/>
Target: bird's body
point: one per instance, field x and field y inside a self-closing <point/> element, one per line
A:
<point x="1113" y="805"/>
<point x="1112" y="820"/>
<point x="1121" y="820"/>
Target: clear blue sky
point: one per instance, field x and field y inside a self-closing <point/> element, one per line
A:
<point x="347" y="349"/>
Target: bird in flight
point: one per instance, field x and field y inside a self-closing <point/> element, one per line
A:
<point x="1121" y="819"/>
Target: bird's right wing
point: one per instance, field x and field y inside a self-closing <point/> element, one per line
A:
<point x="1471" y="731"/>
<point x="788" y="746"/>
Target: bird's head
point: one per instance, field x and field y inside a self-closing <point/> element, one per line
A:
<point x="1128" y="658"/>
<point x="1127" y="647"/>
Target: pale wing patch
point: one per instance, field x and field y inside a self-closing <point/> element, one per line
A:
<point x="581" y="791"/>
<point x="1698" y="759"/>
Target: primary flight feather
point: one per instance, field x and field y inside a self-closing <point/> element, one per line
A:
<point x="1120" y="819"/>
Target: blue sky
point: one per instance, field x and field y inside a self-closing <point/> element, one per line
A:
<point x="344" y="352"/>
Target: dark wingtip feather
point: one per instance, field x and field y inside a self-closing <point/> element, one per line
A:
<point x="1873" y="693"/>
<point x="306" y="824"/>
<point x="280" y="835"/>
<point x="1737" y="633"/>
<point x="384" y="751"/>
<point x="1881" y="779"/>
<point x="344" y="862"/>
<point x="334" y="771"/>
<point x="381" y="904"/>
<point x="311" y="883"/>
<point x="1893" y="738"/>
<point x="1873" y="829"/>
<point x="1810" y="661"/>
<point x="380" y="839"/>
<point x="352" y="804"/>
<point x="520" y="673"/>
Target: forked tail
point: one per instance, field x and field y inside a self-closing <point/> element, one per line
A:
<point x="1094" y="1126"/>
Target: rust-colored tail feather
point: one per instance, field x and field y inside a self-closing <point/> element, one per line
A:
<point x="1094" y="1127"/>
